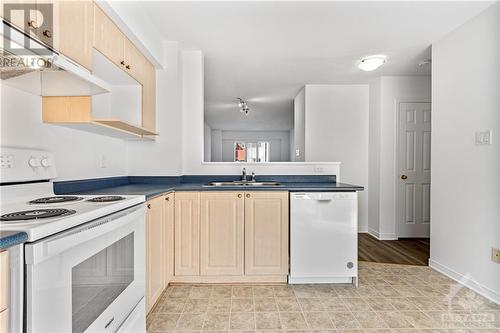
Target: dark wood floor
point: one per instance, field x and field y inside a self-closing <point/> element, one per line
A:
<point x="407" y="251"/>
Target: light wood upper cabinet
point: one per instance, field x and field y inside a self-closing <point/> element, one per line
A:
<point x="168" y="217"/>
<point x="221" y="233"/>
<point x="74" y="30"/>
<point x="108" y="39"/>
<point x="155" y="252"/>
<point x="187" y="233"/>
<point x="135" y="62"/>
<point x="266" y="233"/>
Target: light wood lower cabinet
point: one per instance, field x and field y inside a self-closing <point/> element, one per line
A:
<point x="159" y="247"/>
<point x="231" y="236"/>
<point x="266" y="233"/>
<point x="168" y="216"/>
<point x="222" y="234"/>
<point x="187" y="233"/>
<point x="155" y="252"/>
<point x="5" y="291"/>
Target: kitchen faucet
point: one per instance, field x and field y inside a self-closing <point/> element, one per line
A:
<point x="244" y="175"/>
<point x="253" y="177"/>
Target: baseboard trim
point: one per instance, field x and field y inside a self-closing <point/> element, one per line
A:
<point x="381" y="236"/>
<point x="363" y="229"/>
<point x="466" y="281"/>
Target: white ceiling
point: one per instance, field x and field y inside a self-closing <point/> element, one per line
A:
<point x="265" y="52"/>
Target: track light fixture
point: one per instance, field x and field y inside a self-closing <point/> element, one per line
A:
<point x="243" y="106"/>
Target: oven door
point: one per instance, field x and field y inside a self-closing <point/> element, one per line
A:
<point x="89" y="278"/>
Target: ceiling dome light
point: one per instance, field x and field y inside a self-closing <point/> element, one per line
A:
<point x="371" y="63"/>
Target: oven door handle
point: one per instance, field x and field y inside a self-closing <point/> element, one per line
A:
<point x="53" y="245"/>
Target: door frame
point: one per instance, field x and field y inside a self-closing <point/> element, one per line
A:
<point x="397" y="103"/>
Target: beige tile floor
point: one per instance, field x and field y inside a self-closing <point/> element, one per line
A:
<point x="390" y="298"/>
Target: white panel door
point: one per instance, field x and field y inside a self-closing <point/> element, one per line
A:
<point x="414" y="178"/>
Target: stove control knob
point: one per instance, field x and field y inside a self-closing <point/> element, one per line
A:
<point x="45" y="162"/>
<point x="34" y="162"/>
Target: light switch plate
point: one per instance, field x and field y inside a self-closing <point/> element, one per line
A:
<point x="483" y="138"/>
<point x="495" y="255"/>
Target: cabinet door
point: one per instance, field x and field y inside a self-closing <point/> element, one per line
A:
<point x="168" y="219"/>
<point x="187" y="233"/>
<point x="221" y="233"/>
<point x="155" y="280"/>
<point x="4" y="280"/>
<point x="149" y="98"/>
<point x="134" y="61"/>
<point x="108" y="39"/>
<point x="21" y="14"/>
<point x="75" y="21"/>
<point x="4" y="321"/>
<point x="266" y="233"/>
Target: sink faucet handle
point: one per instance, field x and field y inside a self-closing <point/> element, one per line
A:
<point x="253" y="176"/>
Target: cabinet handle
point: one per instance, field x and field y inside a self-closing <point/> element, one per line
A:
<point x="47" y="34"/>
<point x="239" y="195"/>
<point x="149" y="206"/>
<point x="127" y="67"/>
<point x="122" y="63"/>
<point x="32" y="24"/>
<point x="167" y="198"/>
<point x="248" y="195"/>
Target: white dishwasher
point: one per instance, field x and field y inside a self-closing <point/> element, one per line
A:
<point x="323" y="237"/>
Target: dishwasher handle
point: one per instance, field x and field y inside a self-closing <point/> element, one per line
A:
<point x="324" y="196"/>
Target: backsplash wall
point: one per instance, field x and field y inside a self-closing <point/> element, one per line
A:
<point x="77" y="153"/>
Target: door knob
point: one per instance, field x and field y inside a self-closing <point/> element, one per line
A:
<point x="239" y="195"/>
<point x="404" y="177"/>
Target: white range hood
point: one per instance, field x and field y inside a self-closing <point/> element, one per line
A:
<point x="45" y="75"/>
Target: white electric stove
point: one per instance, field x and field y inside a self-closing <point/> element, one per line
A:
<point x="83" y="264"/>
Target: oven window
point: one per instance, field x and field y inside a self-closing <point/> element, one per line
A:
<point x="97" y="281"/>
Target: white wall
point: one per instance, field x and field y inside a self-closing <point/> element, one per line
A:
<point x="374" y="158"/>
<point x="279" y="142"/>
<point x="77" y="153"/>
<point x="336" y="129"/>
<point x="207" y="146"/>
<point x="162" y="157"/>
<point x="465" y="195"/>
<point x="385" y="95"/>
<point x="299" y="105"/>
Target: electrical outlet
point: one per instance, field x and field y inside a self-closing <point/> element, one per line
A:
<point x="495" y="255"/>
<point x="483" y="138"/>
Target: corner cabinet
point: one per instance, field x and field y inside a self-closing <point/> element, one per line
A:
<point x="155" y="252"/>
<point x="266" y="233"/>
<point x="159" y="247"/>
<point x="223" y="236"/>
<point x="222" y="228"/>
<point x="84" y="33"/>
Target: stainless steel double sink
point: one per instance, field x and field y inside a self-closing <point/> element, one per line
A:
<point x="242" y="184"/>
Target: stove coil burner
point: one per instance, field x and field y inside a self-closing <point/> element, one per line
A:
<point x="107" y="198"/>
<point x="56" y="199"/>
<point x="36" y="214"/>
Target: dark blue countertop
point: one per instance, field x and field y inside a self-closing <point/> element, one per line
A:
<point x="11" y="238"/>
<point x="154" y="186"/>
